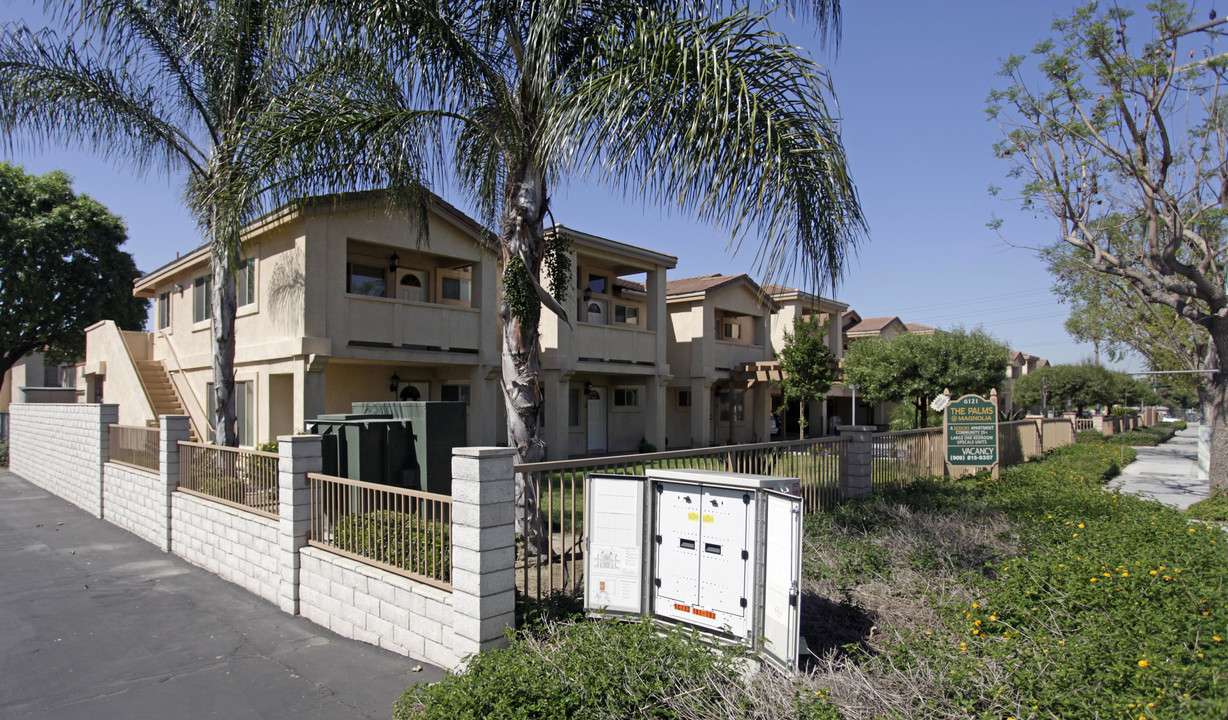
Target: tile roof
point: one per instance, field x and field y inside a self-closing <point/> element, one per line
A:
<point x="872" y="324"/>
<point x="702" y="283"/>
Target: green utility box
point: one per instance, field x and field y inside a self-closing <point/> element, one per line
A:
<point x="437" y="428"/>
<point x="371" y="449"/>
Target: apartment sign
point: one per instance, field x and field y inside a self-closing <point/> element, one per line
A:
<point x="971" y="424"/>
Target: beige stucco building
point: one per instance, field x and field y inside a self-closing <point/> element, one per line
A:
<point x="793" y="303"/>
<point x="719" y="331"/>
<point x="604" y="372"/>
<point x="338" y="302"/>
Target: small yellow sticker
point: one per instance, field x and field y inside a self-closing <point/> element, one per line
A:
<point x="709" y="518"/>
<point x="692" y="516"/>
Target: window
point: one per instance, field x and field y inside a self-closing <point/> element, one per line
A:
<point x="366" y="280"/>
<point x="245" y="412"/>
<point x="626" y="397"/>
<point x="202" y="299"/>
<point x="52" y="377"/>
<point x="597" y="283"/>
<point x="454" y="393"/>
<point x="245" y="283"/>
<point x="164" y="310"/>
<point x="722" y="401"/>
<point x="455" y="286"/>
<point x="684" y="398"/>
<point x="627" y="314"/>
<point x="573" y="407"/>
<point x="731" y="330"/>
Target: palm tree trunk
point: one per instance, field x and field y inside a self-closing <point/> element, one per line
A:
<point x="224" y="308"/>
<point x="522" y="236"/>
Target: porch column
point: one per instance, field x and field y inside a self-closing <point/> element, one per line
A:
<point x="555" y="385"/>
<point x="655" y="394"/>
<point x="701" y="412"/>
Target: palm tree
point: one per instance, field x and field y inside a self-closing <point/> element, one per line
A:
<point x="179" y="85"/>
<point x="717" y="114"/>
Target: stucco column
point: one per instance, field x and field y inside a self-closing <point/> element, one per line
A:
<point x="556" y="413"/>
<point x="299" y="455"/>
<point x="174" y="430"/>
<point x="483" y="548"/>
<point x="656" y="393"/>
<point x="701" y="413"/>
<point x="310" y="386"/>
<point x="859" y="457"/>
<point x="483" y="395"/>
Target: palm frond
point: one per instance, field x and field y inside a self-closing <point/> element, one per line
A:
<point x="726" y="120"/>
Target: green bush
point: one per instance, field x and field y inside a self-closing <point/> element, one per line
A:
<point x="226" y="488"/>
<point x="1092" y="604"/>
<point x="4" y="454"/>
<point x="586" y="669"/>
<point x="408" y="541"/>
<point x="1214" y="508"/>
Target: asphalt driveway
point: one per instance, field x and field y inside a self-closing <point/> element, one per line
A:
<point x="96" y="623"/>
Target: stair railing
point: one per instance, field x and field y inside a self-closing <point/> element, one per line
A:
<point x="178" y="371"/>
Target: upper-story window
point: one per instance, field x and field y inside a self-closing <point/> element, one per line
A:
<point x="245" y="283"/>
<point x="366" y="280"/>
<point x="456" y="286"/>
<point x="598" y="284"/>
<point x="164" y="310"/>
<point x="202" y="298"/>
<point x="627" y="314"/>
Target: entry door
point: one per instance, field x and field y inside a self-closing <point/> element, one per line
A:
<point x="596" y="420"/>
<point x="597" y="313"/>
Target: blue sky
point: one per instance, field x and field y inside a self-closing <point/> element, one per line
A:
<point x="911" y="80"/>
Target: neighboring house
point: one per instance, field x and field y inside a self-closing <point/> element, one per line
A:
<point x="337" y="303"/>
<point x="604" y="374"/>
<point x="794" y="303"/>
<point x="1018" y="364"/>
<point x="883" y="328"/>
<point x="32" y="380"/>
<point x="718" y="333"/>
<point x="840" y="403"/>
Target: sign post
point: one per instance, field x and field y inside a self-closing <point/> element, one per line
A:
<point x="970" y="430"/>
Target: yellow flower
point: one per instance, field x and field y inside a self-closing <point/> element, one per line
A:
<point x="1094" y="579"/>
<point x="992" y="618"/>
<point x="1153" y="572"/>
<point x="975" y="605"/>
<point x="1080" y="526"/>
<point x="1143" y="663"/>
<point x="1217" y="638"/>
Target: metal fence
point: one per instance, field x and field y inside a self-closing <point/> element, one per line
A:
<point x="558" y="491"/>
<point x="1082" y="424"/>
<point x="898" y="458"/>
<point x="246" y="479"/>
<point x="133" y="445"/>
<point x="403" y="531"/>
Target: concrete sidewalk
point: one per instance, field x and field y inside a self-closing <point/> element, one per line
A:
<point x="96" y="623"/>
<point x="1168" y="472"/>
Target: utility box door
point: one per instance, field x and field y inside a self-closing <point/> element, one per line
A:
<point x="705" y="555"/>
<point x="615" y="561"/>
<point x="782" y="601"/>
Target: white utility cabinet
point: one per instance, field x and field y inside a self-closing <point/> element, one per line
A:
<point x="720" y="551"/>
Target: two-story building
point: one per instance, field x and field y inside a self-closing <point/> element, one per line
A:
<point x="793" y="304"/>
<point x="718" y="334"/>
<point x="338" y="302"/>
<point x="604" y="372"/>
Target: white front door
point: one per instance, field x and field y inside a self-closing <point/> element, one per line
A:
<point x="597" y="312"/>
<point x="596" y="420"/>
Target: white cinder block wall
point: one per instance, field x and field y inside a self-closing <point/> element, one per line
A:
<point x="61" y="447"/>
<point x="236" y="545"/>
<point x="135" y="500"/>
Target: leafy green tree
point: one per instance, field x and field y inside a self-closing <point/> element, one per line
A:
<point x="61" y="268"/>
<point x="916" y="367"/>
<point x="807" y="365"/>
<point x="713" y="112"/>
<point x="1123" y="143"/>
<point x="1079" y="386"/>
<point x="183" y="85"/>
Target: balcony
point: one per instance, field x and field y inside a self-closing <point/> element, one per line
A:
<point x="404" y="323"/>
<point x="614" y="343"/>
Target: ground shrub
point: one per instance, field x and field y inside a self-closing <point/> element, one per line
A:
<point x="410" y="541"/>
<point x="1214" y="508"/>
<point x="4" y="454"/>
<point x="1090" y="604"/>
<point x="584" y="669"/>
<point x="226" y="488"/>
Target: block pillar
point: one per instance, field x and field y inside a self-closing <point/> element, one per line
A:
<point x="483" y="548"/>
<point x="859" y="458"/>
<point x="299" y="455"/>
<point x="174" y="430"/>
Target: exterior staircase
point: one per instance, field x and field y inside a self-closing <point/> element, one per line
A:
<point x="158" y="388"/>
